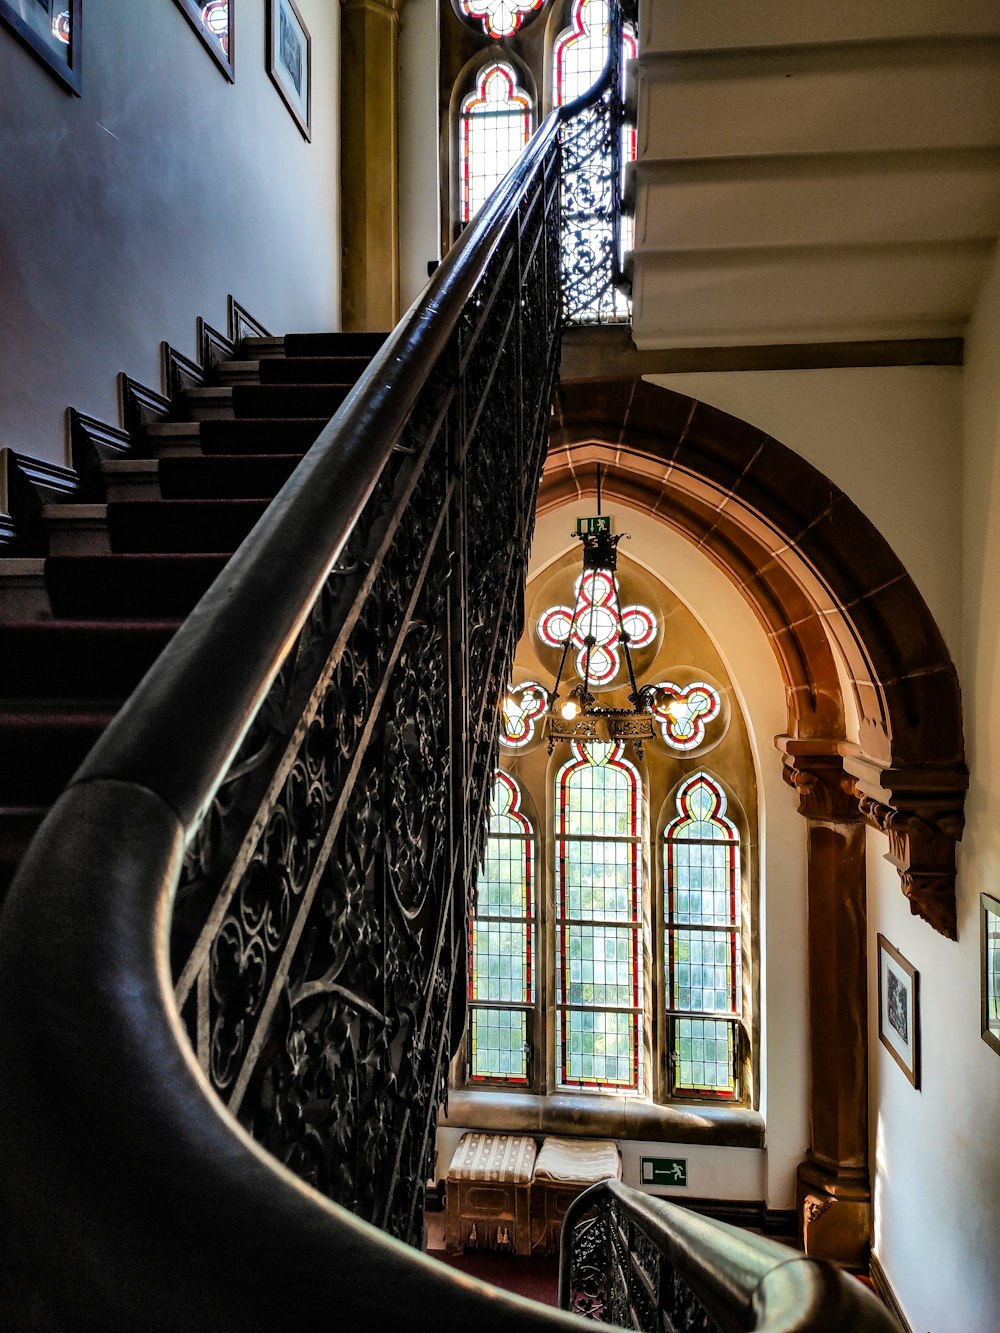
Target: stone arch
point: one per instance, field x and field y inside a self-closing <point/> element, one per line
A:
<point x="821" y="578"/>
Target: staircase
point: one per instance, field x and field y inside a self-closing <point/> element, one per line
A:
<point x="121" y="576"/>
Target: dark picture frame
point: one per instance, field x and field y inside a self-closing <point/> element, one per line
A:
<point x="220" y="46"/>
<point x="899" y="1009"/>
<point x="989" y="970"/>
<point x="289" y="61"/>
<point x="53" y="31"/>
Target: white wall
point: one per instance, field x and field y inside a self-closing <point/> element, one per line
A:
<point x="936" y="1153"/>
<point x="130" y="211"/>
<point x="419" y="201"/>
<point x="728" y="1173"/>
<point x="890" y="438"/>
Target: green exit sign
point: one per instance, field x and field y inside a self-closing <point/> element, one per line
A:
<point x="590" y="527"/>
<point x="665" y="1171"/>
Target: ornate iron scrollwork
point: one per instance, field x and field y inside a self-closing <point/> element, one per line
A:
<point x="321" y="920"/>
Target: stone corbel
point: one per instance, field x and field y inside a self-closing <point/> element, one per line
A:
<point x="815" y="772"/>
<point x="921" y="812"/>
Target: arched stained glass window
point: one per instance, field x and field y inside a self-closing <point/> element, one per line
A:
<point x="502" y="944"/>
<point x="494" y="126"/>
<point x="703" y="953"/>
<point x="598" y="927"/>
<point x="500" y="18"/>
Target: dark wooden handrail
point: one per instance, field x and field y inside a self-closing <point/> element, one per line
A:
<point x="739" y="1279"/>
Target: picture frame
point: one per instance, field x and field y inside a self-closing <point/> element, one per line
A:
<point x="214" y="22"/>
<point x="989" y="970"/>
<point x="289" y="61"/>
<point x="899" y="1009"/>
<point x="53" y="31"/>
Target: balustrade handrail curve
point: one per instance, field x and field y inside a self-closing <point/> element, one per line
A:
<point x="740" y="1280"/>
<point x="130" y="1197"/>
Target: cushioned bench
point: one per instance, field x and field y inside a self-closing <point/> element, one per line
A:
<point x="563" y="1169"/>
<point x="487" y="1193"/>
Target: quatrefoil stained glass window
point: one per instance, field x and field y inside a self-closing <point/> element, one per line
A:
<point x="595" y="606"/>
<point x="500" y="18"/>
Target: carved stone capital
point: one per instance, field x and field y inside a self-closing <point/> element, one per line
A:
<point x="834" y="1214"/>
<point x="815" y="772"/>
<point x="921" y="812"/>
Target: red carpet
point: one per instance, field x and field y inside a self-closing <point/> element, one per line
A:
<point x="536" y="1278"/>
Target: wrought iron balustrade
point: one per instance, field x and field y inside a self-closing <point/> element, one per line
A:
<point x="636" y="1261"/>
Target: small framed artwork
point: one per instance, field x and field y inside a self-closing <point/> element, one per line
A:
<point x="289" y="60"/>
<point x="899" y="1009"/>
<point x="989" y="969"/>
<point x="51" y="30"/>
<point x="213" y="20"/>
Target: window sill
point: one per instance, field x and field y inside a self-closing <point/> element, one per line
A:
<point x="607" y="1116"/>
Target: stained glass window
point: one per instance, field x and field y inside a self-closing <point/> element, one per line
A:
<point x="500" y="18"/>
<point x="703" y="955"/>
<point x="685" y="713"/>
<point x="523" y="707"/>
<point x="599" y="965"/>
<point x="494" y="126"/>
<point x="502" y="944"/>
<point x="596" y="617"/>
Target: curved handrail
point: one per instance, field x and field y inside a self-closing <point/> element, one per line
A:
<point x="742" y="1280"/>
<point x="127" y="1188"/>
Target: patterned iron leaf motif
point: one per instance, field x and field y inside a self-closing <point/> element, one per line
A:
<point x="326" y="890"/>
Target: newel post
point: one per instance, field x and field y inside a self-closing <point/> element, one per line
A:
<point x="833" y="1191"/>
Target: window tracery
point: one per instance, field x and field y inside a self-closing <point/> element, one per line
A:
<point x="499" y="18"/>
<point x="494" y="126"/>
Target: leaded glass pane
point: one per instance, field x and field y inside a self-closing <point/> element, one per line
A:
<point x="498" y="1042"/>
<point x="598" y="908"/>
<point x="495" y="124"/>
<point x="593" y="617"/>
<point x="502" y="943"/>
<point x="702" y="943"/>
<point x="703" y="1056"/>
<point x="599" y="1048"/>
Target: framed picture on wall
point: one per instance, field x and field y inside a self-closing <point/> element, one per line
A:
<point x="289" y="60"/>
<point x="989" y="969"/>
<point x="899" y="1009"/>
<point x="51" y="30"/>
<point x="213" y="21"/>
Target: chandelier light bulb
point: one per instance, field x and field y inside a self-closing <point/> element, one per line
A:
<point x="569" y="709"/>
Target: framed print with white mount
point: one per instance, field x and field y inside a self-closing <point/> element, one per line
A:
<point x="899" y="1009"/>
<point x="51" y="30"/>
<point x="289" y="61"/>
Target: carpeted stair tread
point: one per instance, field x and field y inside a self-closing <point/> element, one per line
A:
<point x="288" y="400"/>
<point x="333" y="344"/>
<point x="42" y="750"/>
<point x="312" y="369"/>
<point x="263" y="435"/>
<point x="181" y="526"/>
<point x="225" y="476"/>
<point x="83" y="659"/>
<point x="131" y="587"/>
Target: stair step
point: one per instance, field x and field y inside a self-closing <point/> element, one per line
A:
<point x="183" y="526"/>
<point x="65" y="659"/>
<point x="248" y="436"/>
<point x="226" y="476"/>
<point x="265" y="400"/>
<point x="131" y="478"/>
<point x="313" y="370"/>
<point x="333" y="344"/>
<point x="43" y="748"/>
<point x="315" y="344"/>
<point x="129" y="587"/>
